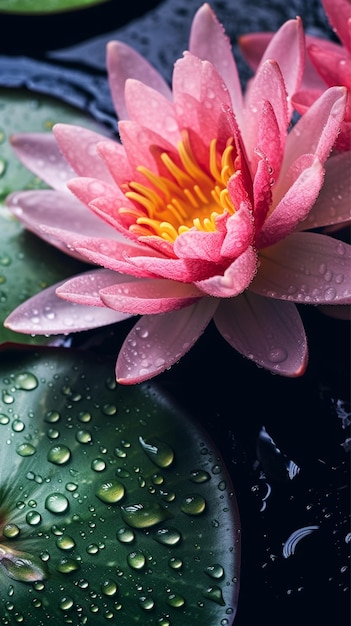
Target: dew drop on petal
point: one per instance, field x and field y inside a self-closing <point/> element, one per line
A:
<point x="56" y="503"/>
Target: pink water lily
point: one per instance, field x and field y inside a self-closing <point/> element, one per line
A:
<point x="198" y="213"/>
<point x="328" y="64"/>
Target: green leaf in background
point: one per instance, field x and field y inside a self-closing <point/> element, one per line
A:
<point x="42" y="7"/>
<point x="27" y="264"/>
<point x="114" y="505"/>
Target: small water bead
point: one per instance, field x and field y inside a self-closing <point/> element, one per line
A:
<point x="167" y="536"/>
<point x="52" y="417"/>
<point x="56" y="503"/>
<point x="53" y="433"/>
<point x="109" y="409"/>
<point x="17" y="426"/>
<point x="65" y="542"/>
<point x="66" y="603"/>
<point x="157" y="479"/>
<point x="193" y="504"/>
<point x="215" y="571"/>
<point x="144" y="515"/>
<point x="85" y="417"/>
<point x="215" y="594"/>
<point x="146" y="602"/>
<point x="25" y="449"/>
<point x="33" y="518"/>
<point x="122" y="472"/>
<point x="121" y="454"/>
<point x="175" y="563"/>
<point x="110" y="492"/>
<point x="125" y="535"/>
<point x="163" y="621"/>
<point x="98" y="465"/>
<point x="199" y="476"/>
<point x="175" y="600"/>
<point x="136" y="560"/>
<point x="158" y="451"/>
<point x="109" y="587"/>
<point x="71" y="487"/>
<point x="37" y="603"/>
<point x="84" y="436"/>
<point x="7" y="398"/>
<point x="59" y="454"/>
<point x="39" y="586"/>
<point x="92" y="548"/>
<point x="4" y="419"/>
<point x="67" y="566"/>
<point x="26" y="381"/>
<point x="11" y="531"/>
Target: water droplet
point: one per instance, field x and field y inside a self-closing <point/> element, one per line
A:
<point x="136" y="560"/>
<point x="26" y="381"/>
<point x="56" y="503"/>
<point x="215" y="594"/>
<point x="199" y="476"/>
<point x="85" y="417"/>
<point x="109" y="409"/>
<point x="59" y="454"/>
<point x="278" y="355"/>
<point x="66" y="603"/>
<point x="215" y="571"/>
<point x="4" y="419"/>
<point x="175" y="600"/>
<point x="65" y="542"/>
<point x="67" y="566"/>
<point x="52" y="417"/>
<point x="98" y="465"/>
<point x="92" y="548"/>
<point x="193" y="505"/>
<point x="7" y="398"/>
<point x="158" y="451"/>
<point x="146" y="603"/>
<point x="167" y="536"/>
<point x="109" y="587"/>
<point x="175" y="563"/>
<point x="84" y="436"/>
<point x="144" y="515"/>
<point x="11" y="531"/>
<point x="18" y="426"/>
<point x="111" y="491"/>
<point x="33" y="518"/>
<point x="125" y="535"/>
<point x="25" y="449"/>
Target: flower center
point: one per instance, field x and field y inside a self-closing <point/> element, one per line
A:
<point x="190" y="197"/>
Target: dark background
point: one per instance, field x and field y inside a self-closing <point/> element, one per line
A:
<point x="307" y="419"/>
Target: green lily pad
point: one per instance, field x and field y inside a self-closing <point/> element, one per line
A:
<point x="114" y="505"/>
<point x="27" y="264"/>
<point x="43" y="7"/>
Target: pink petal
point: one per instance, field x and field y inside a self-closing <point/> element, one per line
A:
<point x="89" y="189"/>
<point x="267" y="85"/>
<point x="110" y="253"/>
<point x="266" y="331"/>
<point x="182" y="270"/>
<point x="40" y="153"/>
<point x="287" y="49"/>
<point x="158" y="341"/>
<point x="234" y="280"/>
<point x="78" y="145"/>
<point x="317" y="129"/>
<point x="333" y="203"/>
<point x="334" y="68"/>
<point x="138" y="142"/>
<point x="196" y="244"/>
<point x="46" y="314"/>
<point x="262" y="189"/>
<point x="85" y="288"/>
<point x="306" y="267"/>
<point x="270" y="142"/>
<point x="149" y="296"/>
<point x="240" y="232"/>
<point x="123" y="62"/>
<point x="208" y="41"/>
<point x="149" y="108"/>
<point x="45" y="207"/>
<point x="253" y="45"/>
<point x="114" y="155"/>
<point x="201" y="99"/>
<point x="339" y="15"/>
<point x="293" y="207"/>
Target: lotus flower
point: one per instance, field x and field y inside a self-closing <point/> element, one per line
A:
<point x="197" y="214"/>
<point x="328" y="63"/>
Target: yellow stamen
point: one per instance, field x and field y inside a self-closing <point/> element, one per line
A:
<point x="193" y="196"/>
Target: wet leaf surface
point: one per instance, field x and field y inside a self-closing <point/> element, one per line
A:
<point x="113" y="503"/>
